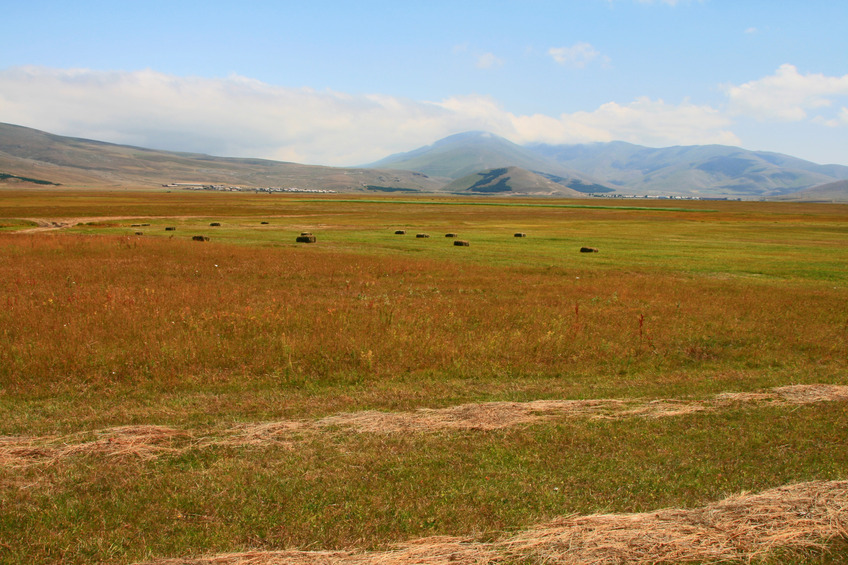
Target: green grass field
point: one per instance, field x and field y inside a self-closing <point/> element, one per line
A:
<point x="163" y="398"/>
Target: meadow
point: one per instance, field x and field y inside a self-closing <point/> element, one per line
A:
<point x="164" y="400"/>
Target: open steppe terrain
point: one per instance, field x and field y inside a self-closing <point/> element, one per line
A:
<point x="680" y="395"/>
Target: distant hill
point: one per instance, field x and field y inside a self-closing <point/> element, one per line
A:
<point x="830" y="192"/>
<point x="510" y="181"/>
<point x="700" y="170"/>
<point x="32" y="158"/>
<point x="467" y="153"/>
<point x="707" y="170"/>
<point x="38" y="156"/>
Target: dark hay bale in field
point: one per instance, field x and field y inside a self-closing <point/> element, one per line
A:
<point x="215" y="224"/>
<point x="139" y="233"/>
<point x="461" y="243"/>
<point x="264" y="223"/>
<point x="520" y="234"/>
<point x="400" y="232"/>
<point x="588" y="250"/>
<point x="422" y="235"/>
<point x="199" y="238"/>
<point x="135" y="225"/>
<point x="450" y="235"/>
<point x="306" y="238"/>
<point x="170" y="228"/>
<point x="144" y="225"/>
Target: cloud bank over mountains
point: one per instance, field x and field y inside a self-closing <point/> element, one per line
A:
<point x="787" y="95"/>
<point x="242" y="117"/>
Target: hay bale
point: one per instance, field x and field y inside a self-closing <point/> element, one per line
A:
<point x="144" y="225"/>
<point x="135" y="225"/>
<point x="264" y="223"/>
<point x="215" y="224"/>
<point x="139" y="233"/>
<point x="199" y="238"/>
<point x="450" y="235"/>
<point x="400" y="232"/>
<point x="520" y="234"/>
<point x="306" y="238"/>
<point x="422" y="235"/>
<point x="588" y="250"/>
<point x="170" y="228"/>
<point x="461" y="243"/>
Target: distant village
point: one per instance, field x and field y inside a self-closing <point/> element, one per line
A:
<point x="663" y="197"/>
<point x="201" y="186"/>
<point x="222" y="187"/>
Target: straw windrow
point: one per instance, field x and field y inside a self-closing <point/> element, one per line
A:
<point x="148" y="442"/>
<point x="737" y="529"/>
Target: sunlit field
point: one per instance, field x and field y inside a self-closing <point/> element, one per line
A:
<point x="162" y="397"/>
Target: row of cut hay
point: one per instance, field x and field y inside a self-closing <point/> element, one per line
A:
<point x="737" y="529"/>
<point x="143" y="442"/>
<point x="499" y="415"/>
<point x="148" y="442"/>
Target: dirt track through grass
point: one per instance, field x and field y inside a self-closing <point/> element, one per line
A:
<point x="738" y="528"/>
<point x="152" y="441"/>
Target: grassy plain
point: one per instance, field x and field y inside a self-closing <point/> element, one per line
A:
<point x="102" y="330"/>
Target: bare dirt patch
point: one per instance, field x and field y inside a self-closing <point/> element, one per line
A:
<point x="51" y="224"/>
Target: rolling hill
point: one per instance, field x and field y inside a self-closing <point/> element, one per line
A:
<point x="510" y="181"/>
<point x="28" y="155"/>
<point x="830" y="192"/>
<point x="707" y="170"/>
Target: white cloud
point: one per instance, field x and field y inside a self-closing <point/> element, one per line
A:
<point x="786" y="95"/>
<point x="488" y="61"/>
<point x="235" y="116"/>
<point x="577" y="56"/>
<point x="241" y="117"/>
<point x="644" y="121"/>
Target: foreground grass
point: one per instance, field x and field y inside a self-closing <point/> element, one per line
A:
<point x="103" y="328"/>
<point x="355" y="490"/>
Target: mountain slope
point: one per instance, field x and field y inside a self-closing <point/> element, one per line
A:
<point x="830" y="192"/>
<point x="510" y="181"/>
<point x="30" y="153"/>
<point x="30" y="157"/>
<point x="466" y="153"/>
<point x="702" y="169"/>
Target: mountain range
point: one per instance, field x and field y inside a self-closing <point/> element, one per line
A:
<point x="466" y="163"/>
<point x="624" y="168"/>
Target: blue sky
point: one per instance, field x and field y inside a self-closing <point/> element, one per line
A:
<point x="344" y="83"/>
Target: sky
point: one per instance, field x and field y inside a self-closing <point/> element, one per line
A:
<point x="348" y="83"/>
